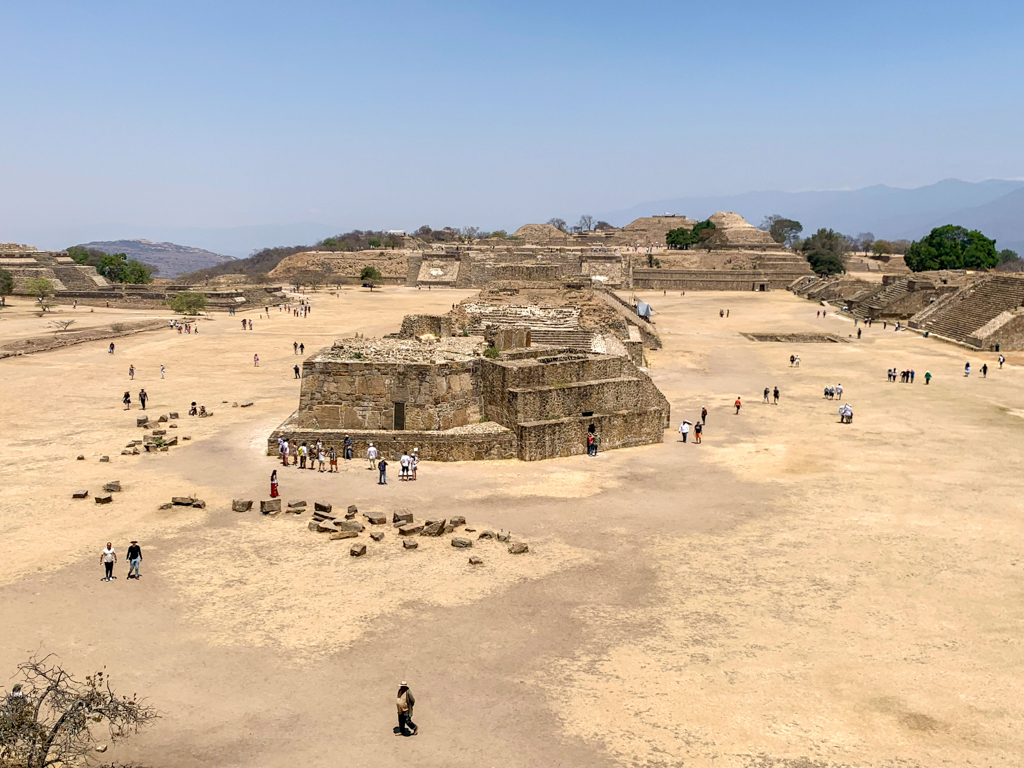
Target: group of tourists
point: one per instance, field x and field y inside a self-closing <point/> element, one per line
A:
<point x="408" y="464"/>
<point x="831" y="393"/>
<point x="313" y="455"/>
<point x="772" y="393"/>
<point x="197" y="411"/>
<point x="246" y="327"/>
<point x="184" y="327"/>
<point x="127" y="399"/>
<point x="109" y="557"/>
<point x="300" y="349"/>
<point x="845" y="414"/>
<point x="907" y="376"/>
<point x="698" y="429"/>
<point x="794" y="361"/>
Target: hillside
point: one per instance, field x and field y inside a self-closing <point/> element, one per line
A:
<point x="169" y="258"/>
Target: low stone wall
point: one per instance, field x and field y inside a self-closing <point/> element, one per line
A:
<point x="414" y="326"/>
<point x="712" y="280"/>
<point x="568" y="436"/>
<point x="496" y="443"/>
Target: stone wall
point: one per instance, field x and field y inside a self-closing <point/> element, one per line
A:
<point x="347" y="395"/>
<point x="414" y="326"/>
<point x="568" y="436"/>
<point x="711" y="280"/>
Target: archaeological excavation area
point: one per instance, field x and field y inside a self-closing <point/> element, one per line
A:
<point x="792" y="592"/>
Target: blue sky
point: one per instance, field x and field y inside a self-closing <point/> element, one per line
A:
<point x="122" y="118"/>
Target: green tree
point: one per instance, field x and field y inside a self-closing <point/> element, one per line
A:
<point x="825" y="251"/>
<point x="826" y="263"/>
<point x="188" y="303"/>
<point x="952" y="247"/>
<point x="373" y="242"/>
<point x="681" y="238"/>
<point x="40" y="287"/>
<point x="1006" y="255"/>
<point x="785" y="231"/>
<point x="6" y="283"/>
<point x="881" y="247"/>
<point x="370" y="274"/>
<point x="118" y="268"/>
<point x="704" y="229"/>
<point x="500" y="233"/>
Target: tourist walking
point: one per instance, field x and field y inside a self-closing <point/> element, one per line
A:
<point x="911" y="375"/>
<point x="590" y="442"/>
<point x="371" y="456"/>
<point x="250" y="324"/>
<point x="698" y="430"/>
<point x="927" y="378"/>
<point x="286" y="451"/>
<point x="302" y="349"/>
<point x="108" y="557"/>
<point x="273" y="485"/>
<point x="256" y="361"/>
<point x="243" y="323"/>
<point x="1001" y="361"/>
<point x="984" y="370"/>
<point x="403" y="467"/>
<point x="858" y="333"/>
<point x="406" y="701"/>
<point x="382" y="467"/>
<point x="302" y="456"/>
<point x="775" y="394"/>
<point x="163" y="371"/>
<point x="127" y="400"/>
<point x="131" y="373"/>
<point x="332" y="456"/>
<point x="322" y="460"/>
<point x="111" y="350"/>
<point x="347" y="446"/>
<point x="704" y="415"/>
<point x="738" y="405"/>
<point x="296" y="369"/>
<point x="766" y="393"/>
<point x="295" y="347"/>
<point x="414" y="462"/>
<point x="143" y="397"/>
<point x="967" y="369"/>
<point x="684" y="430"/>
<point x="134" y="559"/>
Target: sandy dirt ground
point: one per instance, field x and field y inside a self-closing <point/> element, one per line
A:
<point x="791" y="593"/>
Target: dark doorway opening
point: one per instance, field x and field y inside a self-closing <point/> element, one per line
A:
<point x="399" y="416"/>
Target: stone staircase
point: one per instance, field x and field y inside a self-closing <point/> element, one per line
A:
<point x="874" y="304"/>
<point x="959" y="315"/>
<point x="551" y="326"/>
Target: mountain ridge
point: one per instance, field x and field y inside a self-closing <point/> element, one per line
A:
<point x="170" y="259"/>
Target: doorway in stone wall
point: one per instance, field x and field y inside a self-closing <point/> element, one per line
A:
<point x="399" y="416"/>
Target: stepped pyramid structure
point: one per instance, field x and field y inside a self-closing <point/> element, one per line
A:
<point x="25" y="262"/>
<point x="983" y="315"/>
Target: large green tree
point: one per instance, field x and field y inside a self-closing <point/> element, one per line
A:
<point x="118" y="268"/>
<point x="952" y="247"/>
<point x="781" y="229"/>
<point x="825" y="251"/>
<point x="681" y="238"/>
<point x="6" y="283"/>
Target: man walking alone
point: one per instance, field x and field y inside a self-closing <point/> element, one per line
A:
<point x="406" y="701"/>
<point x="108" y="557"/>
<point x="134" y="559"/>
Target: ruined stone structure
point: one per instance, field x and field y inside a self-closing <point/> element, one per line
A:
<point x="987" y="313"/>
<point x="25" y="262"/>
<point x="775" y="270"/>
<point x="425" y="389"/>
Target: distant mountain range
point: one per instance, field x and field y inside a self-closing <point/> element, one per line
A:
<point x="996" y="207"/>
<point x="169" y="258"/>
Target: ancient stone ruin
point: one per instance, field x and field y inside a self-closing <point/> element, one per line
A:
<point x="431" y="387"/>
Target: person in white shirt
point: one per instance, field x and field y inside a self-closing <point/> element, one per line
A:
<point x="403" y="473"/>
<point x="108" y="557"/>
<point x="371" y="456"/>
<point x="684" y="429"/>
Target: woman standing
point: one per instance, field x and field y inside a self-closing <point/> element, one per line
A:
<point x="127" y="400"/>
<point x="273" y="485"/>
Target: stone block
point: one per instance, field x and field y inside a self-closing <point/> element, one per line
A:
<point x="433" y="528"/>
<point x="357" y="550"/>
<point x="247" y="404"/>
<point x="81" y="457"/>
<point x="182" y="501"/>
<point x="172" y="426"/>
<point x="470" y="530"/>
<point x="105" y="498"/>
<point x="486" y="535"/>
<point x="199" y="504"/>
<point x="461" y="542"/>
<point x="163" y="418"/>
<point x="504" y="537"/>
<point x="168" y="505"/>
<point x="113" y="487"/>
<point x="449" y="528"/>
<point x="377" y="536"/>
<point x="519" y="548"/>
<point x="326" y="526"/>
<point x="233" y="405"/>
<point x="172" y="441"/>
<point x="104" y="459"/>
<point x="343" y="535"/>
<point x="296" y="504"/>
<point x="401" y="517"/>
<point x="79" y="494"/>
<point x="126" y="452"/>
<point x="173" y="414"/>
<point x="163" y="449"/>
<point x="475" y="561"/>
<point x="135" y="451"/>
<point x="376" y="518"/>
<point x="410" y="544"/>
<point x="270" y="505"/>
<point x="241" y="505"/>
<point x="314" y="525"/>
<point x="159" y="432"/>
<point x="457" y="520"/>
<point x="349" y="525"/>
<point x="322" y="506"/>
<point x="141" y="421"/>
<point x="410" y="529"/>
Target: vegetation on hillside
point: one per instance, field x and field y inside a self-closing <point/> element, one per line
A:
<point x="825" y="251"/>
<point x="116" y="267"/>
<point x="187" y="303"/>
<point x="952" y="247"/>
<point x="682" y="238"/>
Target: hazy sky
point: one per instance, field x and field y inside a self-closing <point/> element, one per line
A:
<point x="393" y="114"/>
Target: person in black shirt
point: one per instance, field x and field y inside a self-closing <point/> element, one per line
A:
<point x="134" y="559"/>
<point x="143" y="397"/>
<point x="382" y="467"/>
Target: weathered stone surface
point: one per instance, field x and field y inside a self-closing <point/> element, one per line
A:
<point x="270" y="505"/>
<point x="326" y="526"/>
<point x="410" y="544"/>
<point x="159" y="432"/>
<point x="186" y="437"/>
<point x="470" y="530"/>
<point x="182" y="501"/>
<point x="241" y="505"/>
<point x="126" y="452"/>
<point x="449" y="528"/>
<point x="410" y="529"/>
<point x="135" y="451"/>
<point x="349" y="525"/>
<point x="457" y="520"/>
<point x="505" y="537"/>
<point x="486" y="535"/>
<point x="199" y="504"/>
<point x="343" y="535"/>
<point x="104" y="459"/>
<point x="141" y="421"/>
<point x="296" y="503"/>
<point x="357" y="550"/>
<point x="401" y="517"/>
<point x="105" y="498"/>
<point x="376" y="518"/>
<point x="461" y="542"/>
<point x="352" y="510"/>
<point x="314" y="525"/>
<point x="114" y="486"/>
<point x="519" y="548"/>
<point x="173" y="414"/>
<point x="163" y="418"/>
<point x="172" y="441"/>
<point x="79" y="494"/>
<point x="234" y="405"/>
<point x="433" y="528"/>
<point x="172" y="426"/>
<point x="247" y="404"/>
<point x="322" y="506"/>
<point x="475" y="561"/>
<point x="377" y="536"/>
<point x="81" y="457"/>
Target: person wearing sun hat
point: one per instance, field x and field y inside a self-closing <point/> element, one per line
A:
<point x="406" y="701"/>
